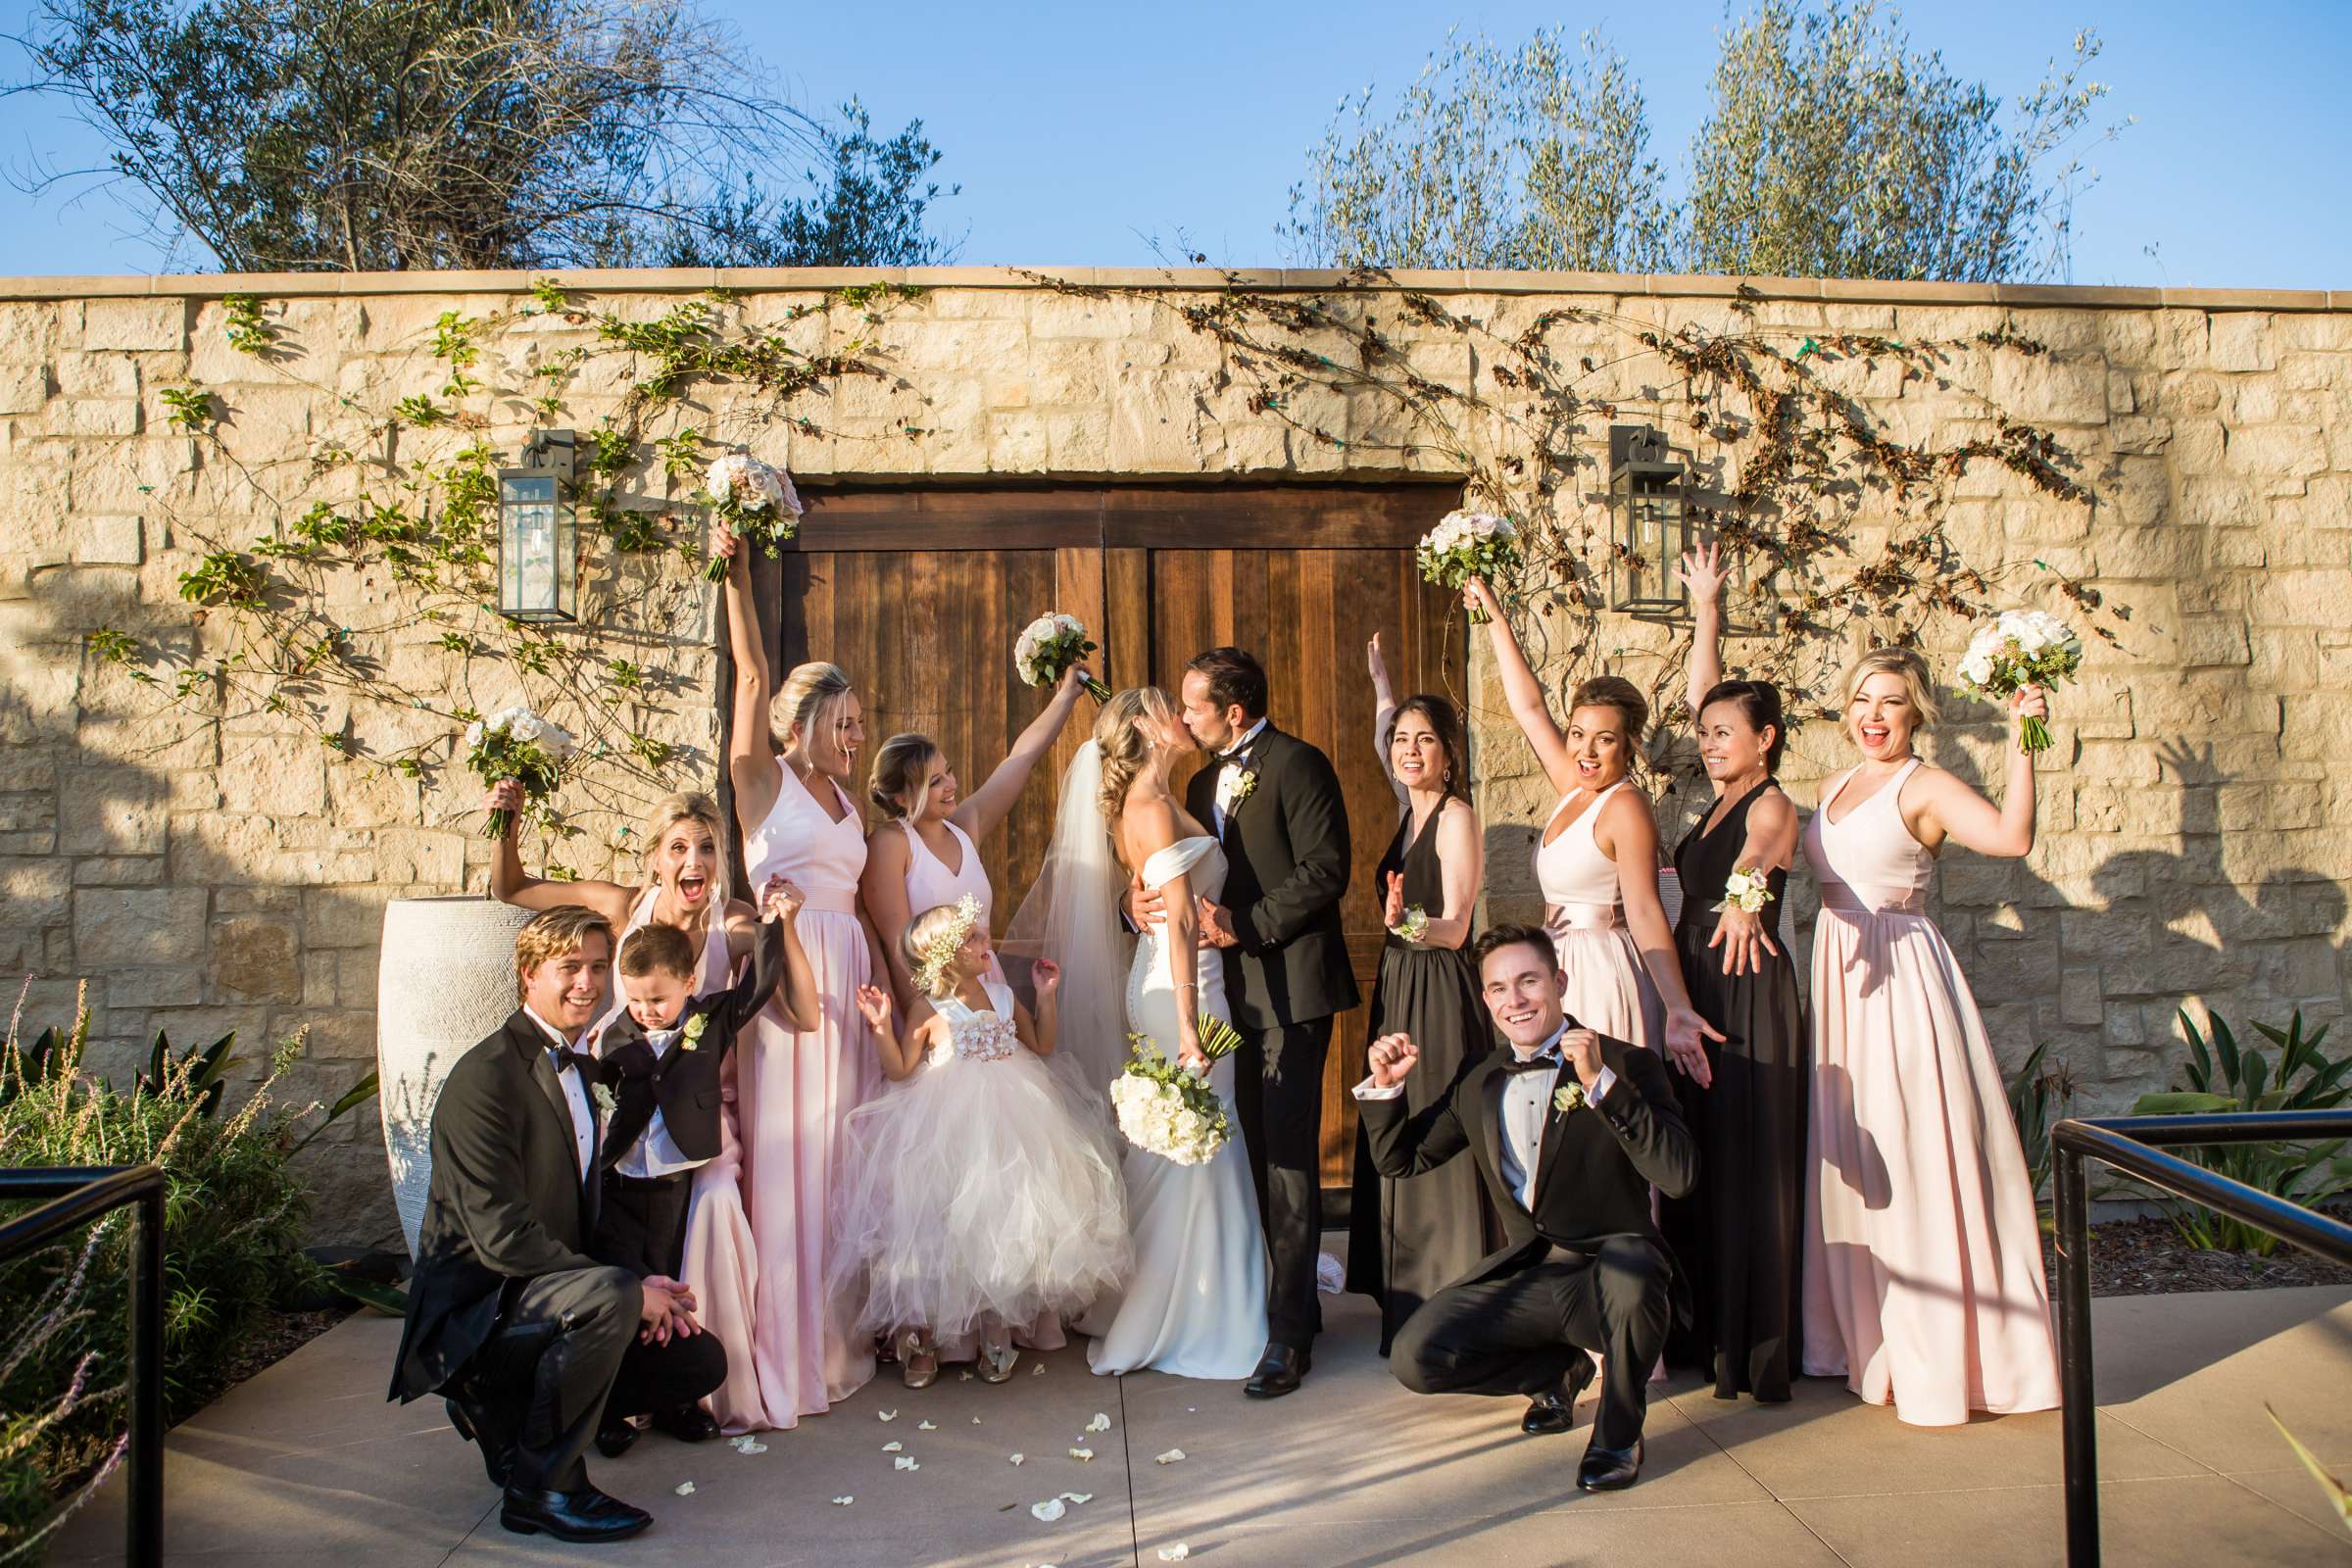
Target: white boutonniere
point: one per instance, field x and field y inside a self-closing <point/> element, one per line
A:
<point x="693" y="1031"/>
<point x="1245" y="785"/>
<point x="606" y="1101"/>
<point x="1569" y="1097"/>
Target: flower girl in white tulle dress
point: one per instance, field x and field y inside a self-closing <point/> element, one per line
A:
<point x="977" y="1196"/>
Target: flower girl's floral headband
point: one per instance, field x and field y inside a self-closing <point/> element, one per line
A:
<point x="941" y="950"/>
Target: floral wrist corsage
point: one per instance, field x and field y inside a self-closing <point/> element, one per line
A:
<point x="1745" y="889"/>
<point x="1412" y="926"/>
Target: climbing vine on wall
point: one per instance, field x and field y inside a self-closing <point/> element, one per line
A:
<point x="345" y="588"/>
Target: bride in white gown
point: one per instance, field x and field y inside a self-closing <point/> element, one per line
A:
<point x="1196" y="1304"/>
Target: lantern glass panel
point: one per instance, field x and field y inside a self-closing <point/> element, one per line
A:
<point x="1654" y="529"/>
<point x="536" y="552"/>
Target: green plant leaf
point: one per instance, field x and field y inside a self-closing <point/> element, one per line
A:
<point x="2180" y="1103"/>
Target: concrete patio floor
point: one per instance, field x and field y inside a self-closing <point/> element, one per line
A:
<point x="307" y="1465"/>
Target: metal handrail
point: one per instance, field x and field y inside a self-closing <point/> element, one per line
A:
<point x="76" y="1197"/>
<point x="2127" y="1142"/>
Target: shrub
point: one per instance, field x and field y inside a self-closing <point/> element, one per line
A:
<point x="2039" y="1098"/>
<point x="233" y="1226"/>
<point x="2226" y="1077"/>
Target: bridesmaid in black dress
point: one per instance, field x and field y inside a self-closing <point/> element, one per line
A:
<point x="1407" y="1239"/>
<point x="1738" y="1235"/>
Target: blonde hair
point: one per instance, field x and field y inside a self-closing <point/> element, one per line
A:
<point x="1125" y="751"/>
<point x="926" y="928"/>
<point x="898" y="777"/>
<point x="552" y="934"/>
<point x="809" y="690"/>
<point x="688" y="806"/>
<point x="1906" y="664"/>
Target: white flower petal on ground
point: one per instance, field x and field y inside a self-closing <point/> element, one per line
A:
<point x="748" y="1444"/>
<point x="886" y="1415"/>
<point x="1047" y="1511"/>
<point x="894" y="1447"/>
<point x="1083" y="1456"/>
<point x="1101" y="1423"/>
<point x="843" y="1502"/>
<point x="1176" y="1554"/>
<point x="1037" y="1371"/>
<point x="684" y="1489"/>
<point x="903" y="1462"/>
<point x="975" y="1420"/>
<point x="925" y="1426"/>
<point x="1172" y="1456"/>
<point x="1079" y="1498"/>
<point x="1016" y="1458"/>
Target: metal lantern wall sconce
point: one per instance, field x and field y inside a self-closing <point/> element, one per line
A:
<point x="1650" y="519"/>
<point x="538" y="539"/>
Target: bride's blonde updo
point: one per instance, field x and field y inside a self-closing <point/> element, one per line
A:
<point x="809" y="691"/>
<point x="1125" y="751"/>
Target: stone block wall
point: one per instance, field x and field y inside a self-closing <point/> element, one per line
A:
<point x="205" y="866"/>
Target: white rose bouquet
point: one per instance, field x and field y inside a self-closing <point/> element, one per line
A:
<point x="1164" y="1109"/>
<point x="516" y="744"/>
<point x="757" y="501"/>
<point x="2021" y="648"/>
<point x="1466" y="545"/>
<point x="1048" y="646"/>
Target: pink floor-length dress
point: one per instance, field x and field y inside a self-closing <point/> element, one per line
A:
<point x="721" y="1264"/>
<point x="1923" y="1274"/>
<point x="1608" y="990"/>
<point x="795" y="1091"/>
<point x="930" y="883"/>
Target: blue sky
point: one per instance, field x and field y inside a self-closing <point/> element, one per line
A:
<point x="1077" y="130"/>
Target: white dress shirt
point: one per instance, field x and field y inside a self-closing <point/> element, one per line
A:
<point x="656" y="1153"/>
<point x="1524" y="1107"/>
<point x="1229" y="771"/>
<point x="583" y="1110"/>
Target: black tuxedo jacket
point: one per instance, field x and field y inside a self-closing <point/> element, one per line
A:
<point x="507" y="1201"/>
<point x="683" y="1081"/>
<point x="1592" y="1175"/>
<point x="1286" y="865"/>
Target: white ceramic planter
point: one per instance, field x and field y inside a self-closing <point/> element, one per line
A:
<point x="446" y="980"/>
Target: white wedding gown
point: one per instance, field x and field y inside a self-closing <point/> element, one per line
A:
<point x="1197" y="1304"/>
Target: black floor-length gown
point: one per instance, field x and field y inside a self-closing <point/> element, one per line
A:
<point x="1738" y="1236"/>
<point x="1407" y="1239"/>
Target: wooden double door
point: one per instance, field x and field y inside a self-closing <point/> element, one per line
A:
<point x="920" y="593"/>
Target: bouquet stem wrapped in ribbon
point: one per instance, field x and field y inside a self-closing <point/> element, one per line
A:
<point x="1046" y="649"/>
<point x="1466" y="545"/>
<point x="1163" y="1107"/>
<point x="2021" y="648"/>
<point x="516" y="744"/>
<point x="756" y="499"/>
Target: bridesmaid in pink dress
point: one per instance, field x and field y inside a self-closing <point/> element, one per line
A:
<point x="1596" y="860"/>
<point x="924" y="854"/>
<point x="796" y="1086"/>
<point x="1923" y="1274"/>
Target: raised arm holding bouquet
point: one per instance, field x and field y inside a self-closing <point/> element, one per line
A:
<point x="516" y="744"/>
<point x="756" y="499"/>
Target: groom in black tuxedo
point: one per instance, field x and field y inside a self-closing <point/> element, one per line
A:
<point x="1569" y="1130"/>
<point x="509" y="1317"/>
<point x="1275" y="806"/>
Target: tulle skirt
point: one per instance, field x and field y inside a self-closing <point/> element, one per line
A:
<point x="975" y="1190"/>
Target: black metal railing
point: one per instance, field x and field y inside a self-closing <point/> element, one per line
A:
<point x="76" y="1197"/>
<point x="2127" y="1143"/>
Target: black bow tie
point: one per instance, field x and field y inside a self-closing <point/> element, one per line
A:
<point x="588" y="1067"/>
<point x="1548" y="1059"/>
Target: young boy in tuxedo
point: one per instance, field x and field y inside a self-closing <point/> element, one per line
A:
<point x="660" y="1061"/>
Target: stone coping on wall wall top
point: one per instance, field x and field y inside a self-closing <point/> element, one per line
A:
<point x="687" y="279"/>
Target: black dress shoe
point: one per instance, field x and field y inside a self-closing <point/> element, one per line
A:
<point x="1279" y="1371"/>
<point x="1609" y="1469"/>
<point x="1555" y="1411"/>
<point x="498" y="1459"/>
<point x="587" y="1515"/>
<point x="614" y="1435"/>
<point x="689" y="1423"/>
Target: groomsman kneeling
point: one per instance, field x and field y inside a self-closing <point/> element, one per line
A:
<point x="1569" y="1130"/>
<point x="510" y="1319"/>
